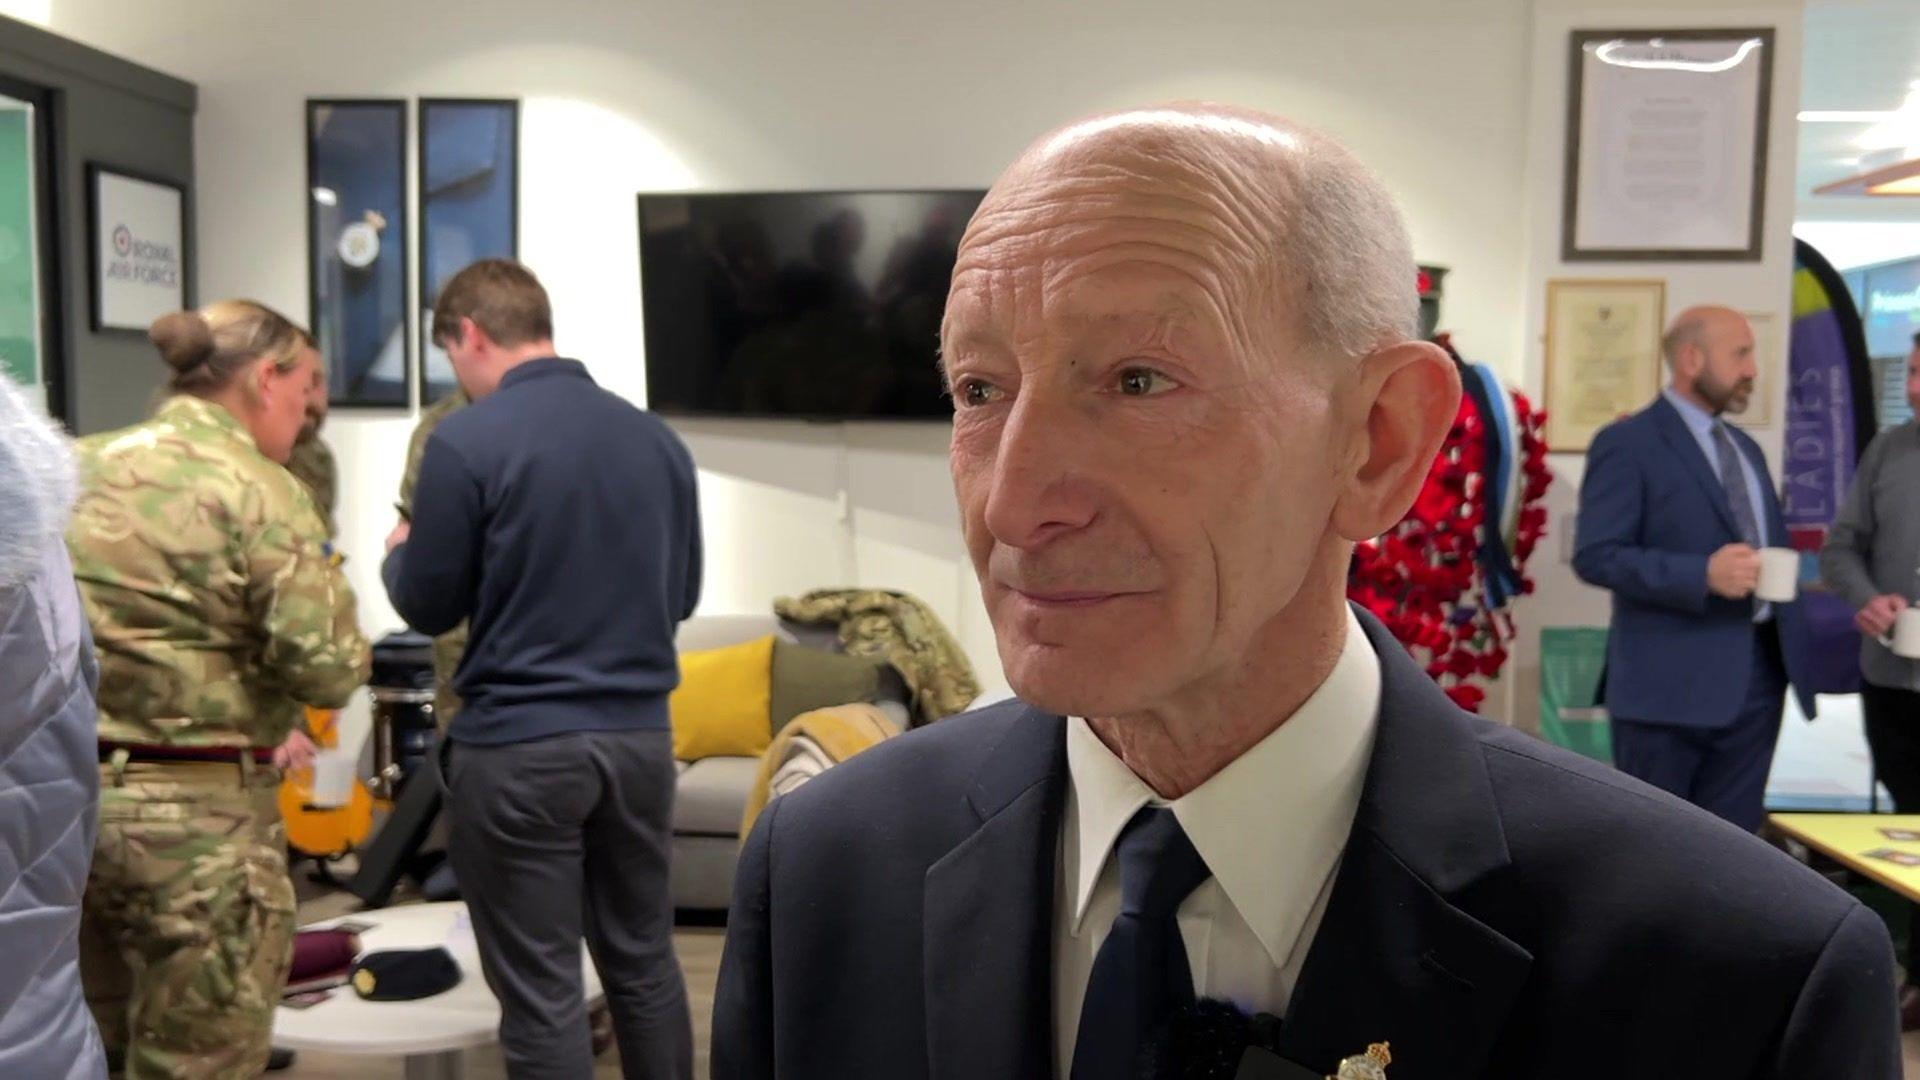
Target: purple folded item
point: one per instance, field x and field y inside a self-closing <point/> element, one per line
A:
<point x="321" y="959"/>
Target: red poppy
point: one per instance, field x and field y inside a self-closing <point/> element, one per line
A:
<point x="1417" y="576"/>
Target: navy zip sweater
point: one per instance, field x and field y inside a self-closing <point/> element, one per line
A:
<point x="563" y="522"/>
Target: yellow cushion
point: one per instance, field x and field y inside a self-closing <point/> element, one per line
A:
<point x="724" y="703"/>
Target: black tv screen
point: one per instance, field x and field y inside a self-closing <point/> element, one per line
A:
<point x="820" y="305"/>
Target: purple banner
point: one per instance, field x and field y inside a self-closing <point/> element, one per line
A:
<point x="1828" y="422"/>
<point x="1819" y="452"/>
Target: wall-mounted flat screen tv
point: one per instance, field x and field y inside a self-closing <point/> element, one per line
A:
<point x="815" y="305"/>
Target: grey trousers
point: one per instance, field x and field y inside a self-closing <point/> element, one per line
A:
<point x="560" y="837"/>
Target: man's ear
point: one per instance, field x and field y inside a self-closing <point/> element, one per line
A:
<point x="471" y="336"/>
<point x="1401" y="402"/>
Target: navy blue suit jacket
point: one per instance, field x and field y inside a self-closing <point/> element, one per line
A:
<point x="1503" y="908"/>
<point x="1652" y="512"/>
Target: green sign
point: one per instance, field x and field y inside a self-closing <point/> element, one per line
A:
<point x="19" y="256"/>
<point x="1572" y="659"/>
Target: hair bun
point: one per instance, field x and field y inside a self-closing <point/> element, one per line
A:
<point x="184" y="339"/>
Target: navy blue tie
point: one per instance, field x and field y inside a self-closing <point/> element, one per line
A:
<point x="1140" y="976"/>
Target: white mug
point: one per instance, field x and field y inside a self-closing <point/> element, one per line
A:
<point x="1905" y="639"/>
<point x="1779" y="574"/>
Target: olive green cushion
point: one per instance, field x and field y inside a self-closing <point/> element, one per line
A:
<point x="807" y="679"/>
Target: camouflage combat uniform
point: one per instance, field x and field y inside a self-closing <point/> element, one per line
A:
<point x="901" y="630"/>
<point x="450" y="646"/>
<point x="218" y="610"/>
<point x="312" y="464"/>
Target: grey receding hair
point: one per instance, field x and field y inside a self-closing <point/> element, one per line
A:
<point x="1682" y="333"/>
<point x="1693" y="327"/>
<point x="1345" y="253"/>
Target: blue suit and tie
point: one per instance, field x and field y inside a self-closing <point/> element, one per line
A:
<point x="1502" y="909"/>
<point x="1695" y="681"/>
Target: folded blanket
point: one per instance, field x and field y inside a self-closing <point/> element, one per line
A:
<point x="811" y="744"/>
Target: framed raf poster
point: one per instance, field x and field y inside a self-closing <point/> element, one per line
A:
<point x="137" y="228"/>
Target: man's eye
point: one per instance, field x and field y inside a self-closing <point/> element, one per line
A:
<point x="974" y="393"/>
<point x="1144" y="382"/>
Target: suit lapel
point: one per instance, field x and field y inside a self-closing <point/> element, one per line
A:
<point x="989" y="916"/>
<point x="1395" y="959"/>
<point x="1687" y="449"/>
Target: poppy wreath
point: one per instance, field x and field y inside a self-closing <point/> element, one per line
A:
<point x="1442" y="580"/>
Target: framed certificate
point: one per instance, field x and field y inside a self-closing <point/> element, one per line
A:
<point x="1603" y="355"/>
<point x="1769" y="360"/>
<point x="1666" y="144"/>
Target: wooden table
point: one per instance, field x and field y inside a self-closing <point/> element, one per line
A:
<point x="1846" y="838"/>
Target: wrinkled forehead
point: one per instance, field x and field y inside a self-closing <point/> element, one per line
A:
<point x="1185" y="174"/>
<point x="1194" y="223"/>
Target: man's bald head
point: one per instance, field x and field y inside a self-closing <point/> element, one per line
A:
<point x="1709" y="350"/>
<point x="1696" y="327"/>
<point x="1310" y="233"/>
<point x="1180" y="345"/>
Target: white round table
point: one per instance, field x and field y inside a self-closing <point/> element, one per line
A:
<point x="430" y="1033"/>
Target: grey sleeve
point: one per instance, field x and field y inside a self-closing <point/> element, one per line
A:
<point x="1843" y="559"/>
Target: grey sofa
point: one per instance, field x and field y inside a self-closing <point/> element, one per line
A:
<point x="711" y="795"/>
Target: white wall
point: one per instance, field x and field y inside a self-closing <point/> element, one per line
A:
<point x="1848" y="244"/>
<point x="725" y="94"/>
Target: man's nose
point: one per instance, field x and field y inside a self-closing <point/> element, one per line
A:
<point x="1042" y="483"/>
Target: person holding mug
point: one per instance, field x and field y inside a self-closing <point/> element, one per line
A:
<point x="1679" y="521"/>
<point x="1872" y="559"/>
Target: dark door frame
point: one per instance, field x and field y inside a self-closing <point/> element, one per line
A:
<point x="46" y="186"/>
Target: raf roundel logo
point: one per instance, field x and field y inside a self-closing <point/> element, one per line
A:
<point x="123" y="240"/>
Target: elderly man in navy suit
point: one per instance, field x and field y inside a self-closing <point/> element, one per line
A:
<point x="1674" y="509"/>
<point x="1230" y="828"/>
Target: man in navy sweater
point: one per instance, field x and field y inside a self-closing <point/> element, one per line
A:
<point x="562" y="521"/>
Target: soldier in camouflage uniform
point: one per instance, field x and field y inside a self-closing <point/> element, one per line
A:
<point x="450" y="646"/>
<point x="312" y="460"/>
<point x="218" y="611"/>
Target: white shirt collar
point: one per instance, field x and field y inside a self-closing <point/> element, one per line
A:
<point x="1272" y="824"/>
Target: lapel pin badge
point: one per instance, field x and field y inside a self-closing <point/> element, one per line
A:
<point x="1371" y="1065"/>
